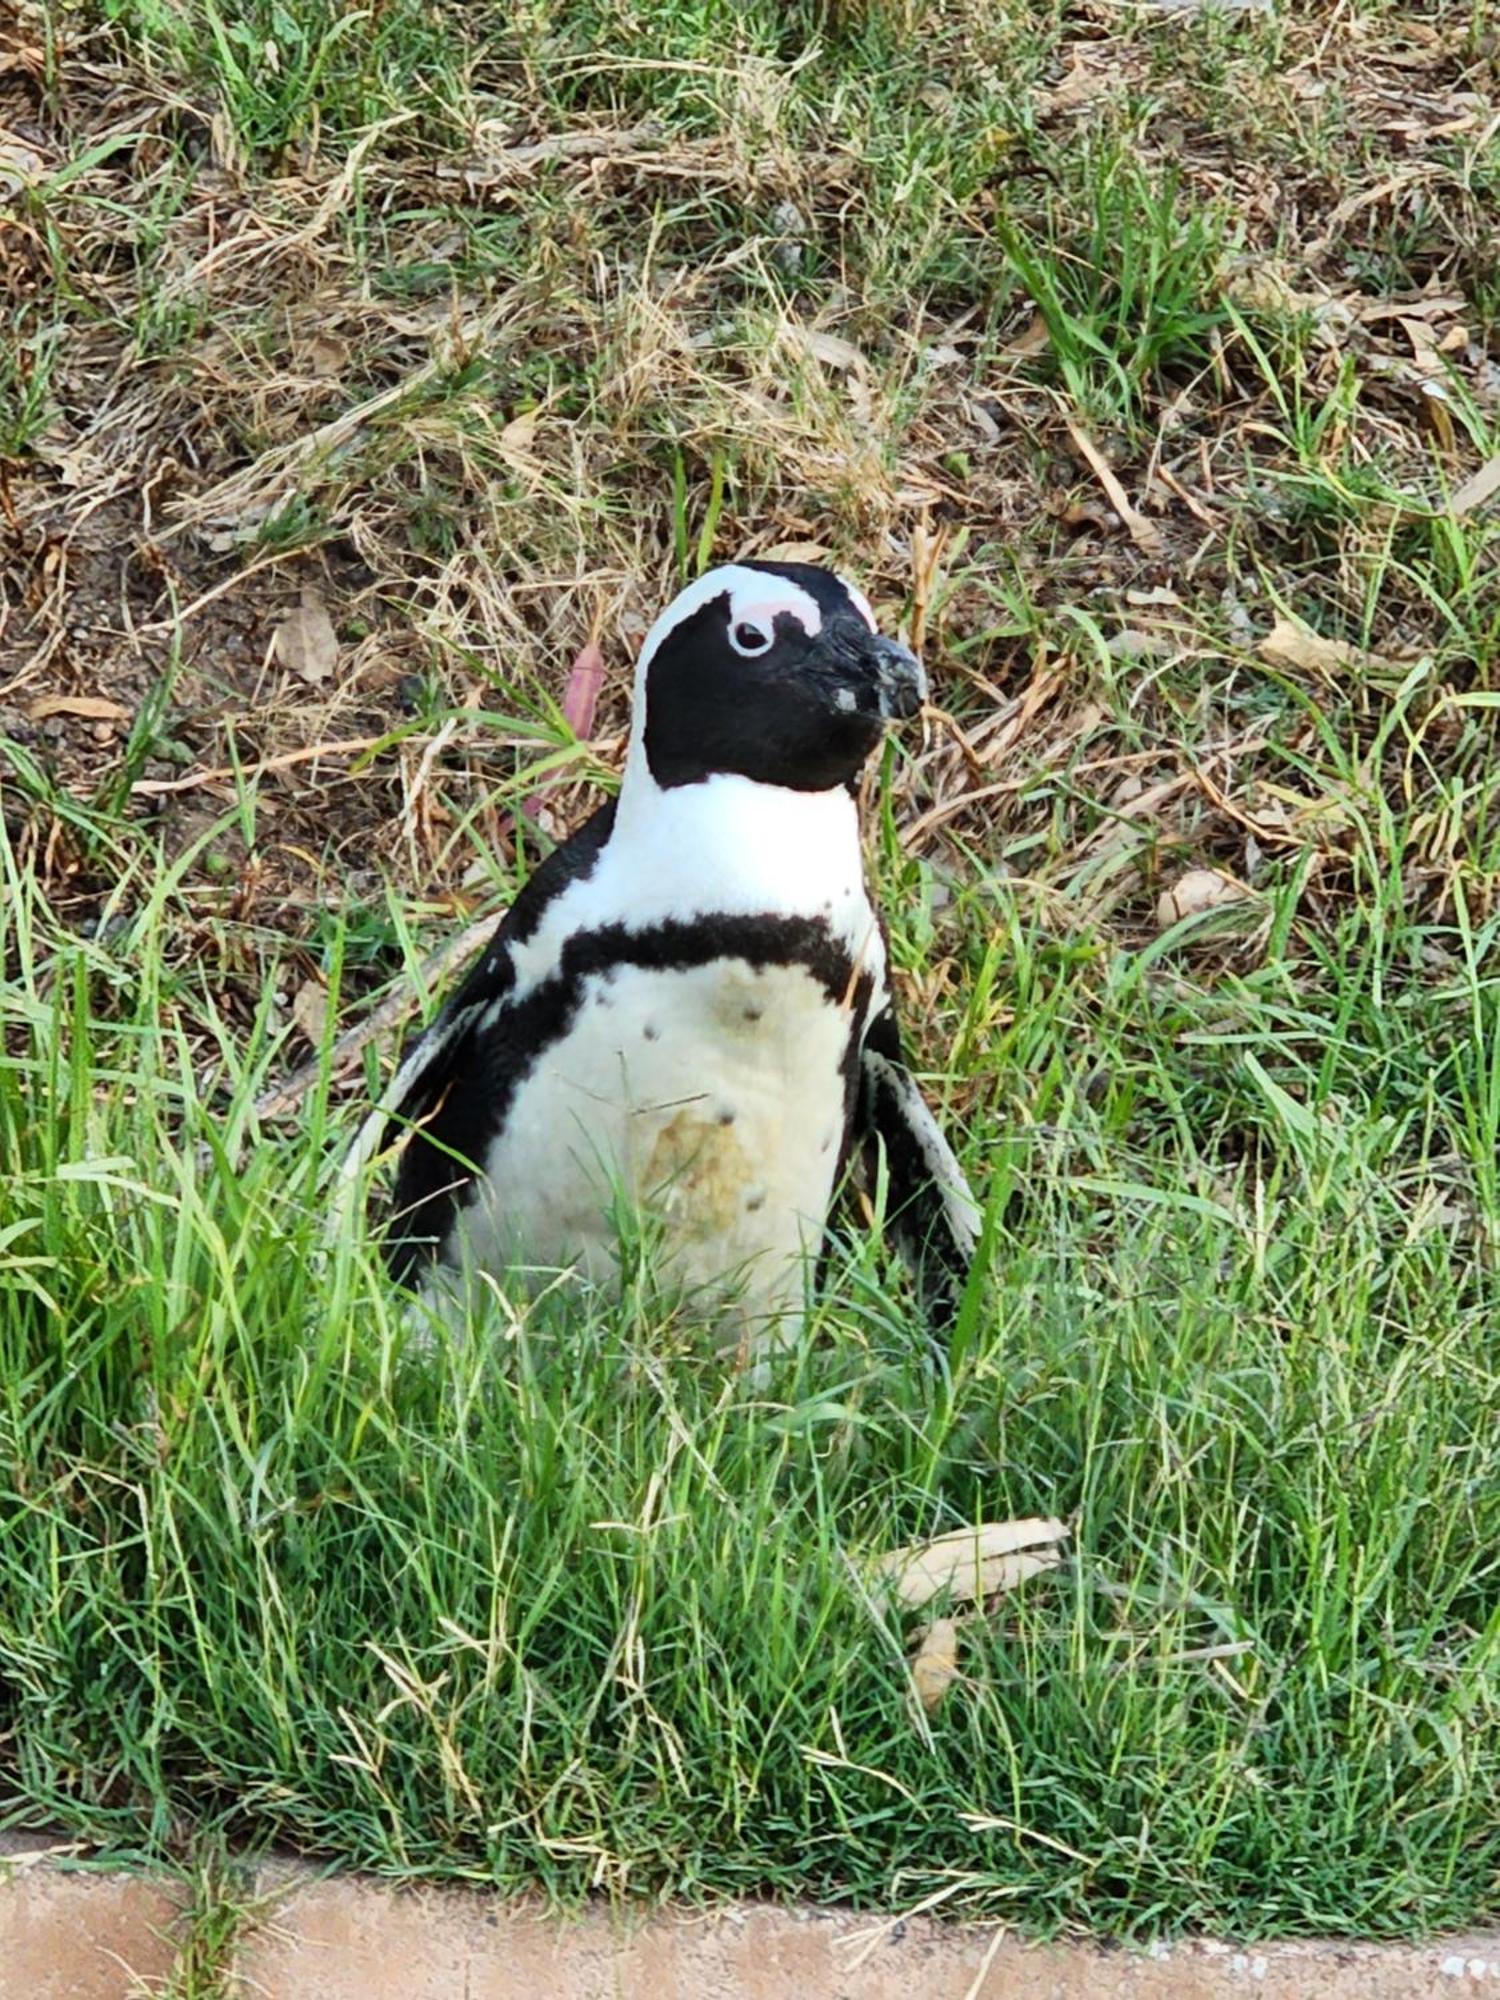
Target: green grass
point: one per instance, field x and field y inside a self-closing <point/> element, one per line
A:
<point x="565" y="1605"/>
<point x="561" y="1604"/>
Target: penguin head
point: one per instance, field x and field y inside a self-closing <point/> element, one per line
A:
<point x="773" y="672"/>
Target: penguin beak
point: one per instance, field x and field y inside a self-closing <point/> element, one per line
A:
<point x="886" y="676"/>
<point x="899" y="679"/>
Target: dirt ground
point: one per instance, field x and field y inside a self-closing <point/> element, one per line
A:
<point x="247" y="415"/>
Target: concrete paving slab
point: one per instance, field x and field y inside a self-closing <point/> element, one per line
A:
<point x="79" y="1936"/>
<point x="351" y="1939"/>
<point x="96" y="1936"/>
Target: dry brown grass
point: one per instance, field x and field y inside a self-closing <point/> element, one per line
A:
<point x="269" y="373"/>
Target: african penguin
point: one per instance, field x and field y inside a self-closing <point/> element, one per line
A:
<point x="687" y="1003"/>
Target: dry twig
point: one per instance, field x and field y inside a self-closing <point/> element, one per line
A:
<point x="1145" y="534"/>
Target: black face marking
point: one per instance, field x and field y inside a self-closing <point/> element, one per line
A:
<point x="440" y="1163"/>
<point x="650" y="1032"/>
<point x="794" y="708"/>
<point x="753" y="1013"/>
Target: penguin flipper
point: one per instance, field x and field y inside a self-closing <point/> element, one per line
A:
<point x="932" y="1212"/>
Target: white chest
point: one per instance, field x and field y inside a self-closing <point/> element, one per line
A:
<point x="709" y="1100"/>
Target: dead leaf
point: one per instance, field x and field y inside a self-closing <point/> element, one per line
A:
<point x="310" y="1010"/>
<point x="934" y="1666"/>
<point x="326" y="356"/>
<point x="1474" y="492"/>
<point x="1436" y="305"/>
<point x="795" y="552"/>
<point x="1198" y="890"/>
<point x="581" y="695"/>
<point x="1368" y="197"/>
<point x="834" y="351"/>
<point x="72" y="461"/>
<point x="1032" y="339"/>
<point x="972" y="1563"/>
<point x="1423" y="347"/>
<point x="1086" y="514"/>
<point x="1417" y="57"/>
<point x="1291" y="644"/>
<point x="982" y="421"/>
<point x="1135" y="642"/>
<point x="1263" y="288"/>
<point x="305" y="641"/>
<point x="20" y="166"/>
<point x="1081" y="85"/>
<point x="518" y="436"/>
<point x="91" y="707"/>
<point x="27" y="59"/>
<point x="76" y="468"/>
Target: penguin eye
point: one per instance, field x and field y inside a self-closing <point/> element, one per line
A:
<point x="748" y="638"/>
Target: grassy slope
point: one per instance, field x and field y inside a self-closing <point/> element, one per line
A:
<point x="567" y="1606"/>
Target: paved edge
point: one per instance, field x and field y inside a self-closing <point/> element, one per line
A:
<point x="83" y="1935"/>
<point x="345" y="1938"/>
<point x="109" y="1936"/>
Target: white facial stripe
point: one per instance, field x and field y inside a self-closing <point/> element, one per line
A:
<point x="766" y="597"/>
<point x="752" y="595"/>
<point x="860" y="602"/>
<point x="687" y="603"/>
